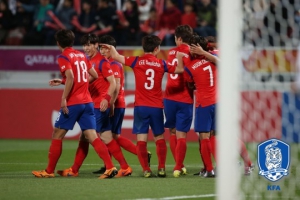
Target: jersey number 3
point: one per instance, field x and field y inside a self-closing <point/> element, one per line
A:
<point x="150" y="77"/>
<point x="81" y="71"/>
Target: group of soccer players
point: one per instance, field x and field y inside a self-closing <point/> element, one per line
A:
<point x="94" y="97"/>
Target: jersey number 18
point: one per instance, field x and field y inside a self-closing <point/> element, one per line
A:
<point x="82" y="73"/>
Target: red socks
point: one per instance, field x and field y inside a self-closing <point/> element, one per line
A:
<point x="116" y="152"/>
<point x="53" y="155"/>
<point x="127" y="144"/>
<point x="141" y="149"/>
<point x="212" y="140"/>
<point x="102" y="152"/>
<point x="205" y="152"/>
<point x="161" y="151"/>
<point x="180" y="153"/>
<point x="244" y="154"/>
<point x="81" y="153"/>
<point x="173" y="144"/>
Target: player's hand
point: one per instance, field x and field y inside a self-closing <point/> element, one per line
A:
<point x="106" y="46"/>
<point x="196" y="49"/>
<point x="55" y="82"/>
<point x="103" y="105"/>
<point x="112" y="110"/>
<point x="64" y="106"/>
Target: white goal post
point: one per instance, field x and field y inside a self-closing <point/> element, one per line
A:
<point x="229" y="39"/>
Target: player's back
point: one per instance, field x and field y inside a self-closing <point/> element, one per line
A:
<point x="204" y="75"/>
<point x="176" y="88"/>
<point x="148" y="71"/>
<point x="77" y="61"/>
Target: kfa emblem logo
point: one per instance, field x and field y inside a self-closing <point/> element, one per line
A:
<point x="273" y="159"/>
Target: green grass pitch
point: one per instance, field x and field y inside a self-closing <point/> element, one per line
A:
<point x="19" y="157"/>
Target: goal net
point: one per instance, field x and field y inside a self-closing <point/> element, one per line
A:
<point x="259" y="107"/>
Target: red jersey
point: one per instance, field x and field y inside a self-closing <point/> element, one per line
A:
<point x="99" y="87"/>
<point x="176" y="88"/>
<point x="148" y="71"/>
<point x="119" y="73"/>
<point x="204" y="75"/>
<point x="79" y="64"/>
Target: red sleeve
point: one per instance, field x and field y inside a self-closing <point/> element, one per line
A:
<point x="116" y="70"/>
<point x="63" y="63"/>
<point x="106" y="70"/>
<point x="168" y="67"/>
<point x="131" y="61"/>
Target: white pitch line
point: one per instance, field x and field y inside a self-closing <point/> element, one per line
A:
<point x="180" y="197"/>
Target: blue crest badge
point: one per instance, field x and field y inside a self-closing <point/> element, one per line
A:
<point x="273" y="159"/>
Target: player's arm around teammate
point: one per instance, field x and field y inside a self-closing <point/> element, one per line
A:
<point x="197" y="49"/>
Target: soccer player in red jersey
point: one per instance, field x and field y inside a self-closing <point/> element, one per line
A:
<point x="119" y="107"/>
<point x="178" y="101"/>
<point x="203" y="74"/>
<point x="102" y="92"/>
<point x="211" y="55"/>
<point x="76" y="104"/>
<point x="148" y="106"/>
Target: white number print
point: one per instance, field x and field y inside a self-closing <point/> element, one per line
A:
<point x="211" y="77"/>
<point x="174" y="63"/>
<point x="150" y="77"/>
<point x="81" y="71"/>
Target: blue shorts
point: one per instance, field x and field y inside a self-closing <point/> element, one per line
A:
<point x="205" y="118"/>
<point x="178" y="115"/>
<point x="81" y="113"/>
<point x="117" y="120"/>
<point x="102" y="120"/>
<point x="148" y="116"/>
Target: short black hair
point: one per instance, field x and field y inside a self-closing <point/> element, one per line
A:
<point x="197" y="39"/>
<point x="107" y="39"/>
<point x="89" y="39"/>
<point x="65" y="38"/>
<point x="184" y="32"/>
<point x="211" y="39"/>
<point x="150" y="42"/>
